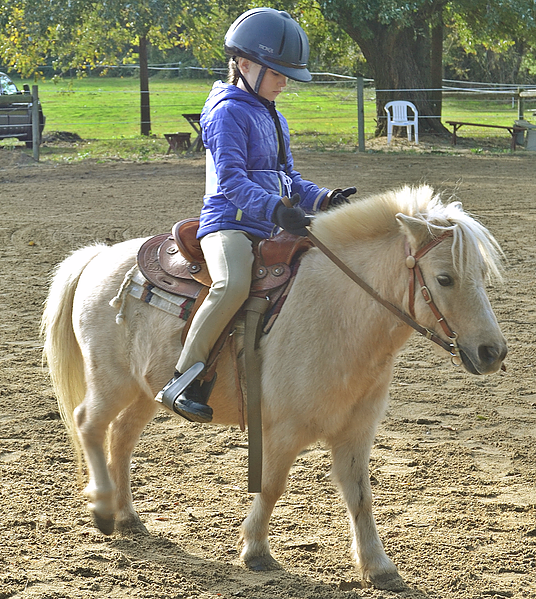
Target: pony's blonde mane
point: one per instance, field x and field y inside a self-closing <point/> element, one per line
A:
<point x="375" y="216"/>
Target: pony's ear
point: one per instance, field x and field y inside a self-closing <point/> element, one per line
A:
<point x="415" y="229"/>
<point x="419" y="231"/>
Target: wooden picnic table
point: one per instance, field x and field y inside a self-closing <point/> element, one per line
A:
<point x="193" y="119"/>
<point x="177" y="141"/>
<point x="513" y="130"/>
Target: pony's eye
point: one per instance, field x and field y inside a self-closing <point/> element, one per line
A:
<point x="445" y="280"/>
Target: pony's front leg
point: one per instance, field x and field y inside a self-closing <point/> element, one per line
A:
<point x="350" y="472"/>
<point x="279" y="453"/>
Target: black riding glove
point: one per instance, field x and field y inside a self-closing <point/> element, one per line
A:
<point x="292" y="219"/>
<point x="340" y="196"/>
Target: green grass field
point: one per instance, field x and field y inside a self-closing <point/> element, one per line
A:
<point x="105" y="112"/>
<point x="105" y="108"/>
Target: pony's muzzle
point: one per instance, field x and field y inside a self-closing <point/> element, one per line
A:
<point x="488" y="359"/>
<point x="492" y="355"/>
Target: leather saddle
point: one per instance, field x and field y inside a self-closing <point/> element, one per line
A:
<point x="175" y="262"/>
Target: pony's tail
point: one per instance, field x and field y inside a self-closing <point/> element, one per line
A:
<point x="61" y="351"/>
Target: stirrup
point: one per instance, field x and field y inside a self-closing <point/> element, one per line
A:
<point x="173" y="389"/>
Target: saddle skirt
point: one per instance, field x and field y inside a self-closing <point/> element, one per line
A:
<point x="175" y="263"/>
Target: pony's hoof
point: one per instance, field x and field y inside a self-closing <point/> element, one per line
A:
<point x="262" y="563"/>
<point x="105" y="525"/>
<point x="132" y="527"/>
<point x="388" y="582"/>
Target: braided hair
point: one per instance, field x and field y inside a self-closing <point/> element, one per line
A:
<point x="233" y="74"/>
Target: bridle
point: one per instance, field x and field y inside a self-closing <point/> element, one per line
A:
<point x="415" y="273"/>
<point x="412" y="262"/>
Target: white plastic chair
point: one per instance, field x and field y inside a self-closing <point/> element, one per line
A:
<point x="397" y="115"/>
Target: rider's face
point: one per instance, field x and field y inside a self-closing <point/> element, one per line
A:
<point x="272" y="83"/>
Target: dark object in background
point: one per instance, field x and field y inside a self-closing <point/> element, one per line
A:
<point x="16" y="112"/>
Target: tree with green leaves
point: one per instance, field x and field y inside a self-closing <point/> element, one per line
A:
<point x="402" y="42"/>
<point x="475" y="49"/>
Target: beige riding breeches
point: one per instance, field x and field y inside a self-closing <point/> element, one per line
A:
<point x="229" y="258"/>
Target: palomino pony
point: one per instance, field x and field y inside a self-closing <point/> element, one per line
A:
<point x="326" y="364"/>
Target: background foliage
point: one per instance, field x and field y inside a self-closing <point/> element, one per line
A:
<point x="407" y="48"/>
<point x="483" y="41"/>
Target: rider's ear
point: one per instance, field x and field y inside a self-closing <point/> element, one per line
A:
<point x="244" y="64"/>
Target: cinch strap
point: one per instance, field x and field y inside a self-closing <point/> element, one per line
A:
<point x="255" y="308"/>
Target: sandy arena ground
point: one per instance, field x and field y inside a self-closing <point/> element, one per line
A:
<point x="453" y="466"/>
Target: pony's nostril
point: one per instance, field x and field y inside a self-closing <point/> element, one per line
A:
<point x="489" y="353"/>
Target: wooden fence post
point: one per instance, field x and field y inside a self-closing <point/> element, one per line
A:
<point x="360" y="115"/>
<point x="520" y="105"/>
<point x="35" y="123"/>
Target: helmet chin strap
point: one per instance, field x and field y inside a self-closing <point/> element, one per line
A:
<point x="259" y="79"/>
<point x="254" y="91"/>
<point x="282" y="155"/>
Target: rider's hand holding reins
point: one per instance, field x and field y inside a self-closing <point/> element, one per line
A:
<point x="340" y="196"/>
<point x="289" y="216"/>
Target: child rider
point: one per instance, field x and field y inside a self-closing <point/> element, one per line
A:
<point x="249" y="168"/>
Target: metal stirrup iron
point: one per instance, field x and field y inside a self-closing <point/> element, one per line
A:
<point x="168" y="396"/>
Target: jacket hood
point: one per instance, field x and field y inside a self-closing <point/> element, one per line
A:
<point x="225" y="91"/>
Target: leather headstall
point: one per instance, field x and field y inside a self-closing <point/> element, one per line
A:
<point x="412" y="262"/>
<point x="451" y="348"/>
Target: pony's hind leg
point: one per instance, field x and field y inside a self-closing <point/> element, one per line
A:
<point x="350" y="455"/>
<point x="92" y="419"/>
<point x="125" y="432"/>
<point x="91" y="426"/>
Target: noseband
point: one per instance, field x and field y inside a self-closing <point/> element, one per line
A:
<point x="412" y="262"/>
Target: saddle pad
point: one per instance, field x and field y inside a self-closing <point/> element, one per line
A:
<point x="142" y="289"/>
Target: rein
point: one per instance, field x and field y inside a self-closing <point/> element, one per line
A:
<point x="412" y="263"/>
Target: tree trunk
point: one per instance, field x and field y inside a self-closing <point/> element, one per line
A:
<point x="144" y="88"/>
<point x="401" y="63"/>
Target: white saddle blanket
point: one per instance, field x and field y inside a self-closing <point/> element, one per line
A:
<point x="141" y="289"/>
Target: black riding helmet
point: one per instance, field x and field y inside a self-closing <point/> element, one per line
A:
<point x="271" y="38"/>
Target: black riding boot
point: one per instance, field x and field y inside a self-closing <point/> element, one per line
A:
<point x="192" y="402"/>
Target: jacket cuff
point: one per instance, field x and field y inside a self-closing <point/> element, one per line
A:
<point x="271" y="208"/>
<point x="322" y="200"/>
<point x="327" y="200"/>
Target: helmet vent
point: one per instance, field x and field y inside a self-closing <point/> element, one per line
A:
<point x="283" y="40"/>
<point x="301" y="48"/>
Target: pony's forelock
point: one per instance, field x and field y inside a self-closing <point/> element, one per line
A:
<point x="471" y="241"/>
<point x="375" y="216"/>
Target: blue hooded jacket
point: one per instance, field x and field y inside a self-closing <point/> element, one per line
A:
<point x="244" y="179"/>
